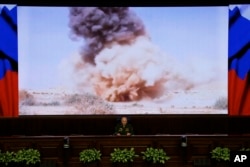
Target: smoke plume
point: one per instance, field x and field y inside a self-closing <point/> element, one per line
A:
<point x="120" y="62"/>
<point x="99" y="26"/>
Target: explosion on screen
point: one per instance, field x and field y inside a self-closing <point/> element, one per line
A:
<point x="119" y="59"/>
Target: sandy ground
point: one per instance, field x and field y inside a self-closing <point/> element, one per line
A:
<point x="60" y="102"/>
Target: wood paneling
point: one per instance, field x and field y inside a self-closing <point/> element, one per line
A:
<point x="104" y="124"/>
<point x="51" y="147"/>
<point x="47" y="133"/>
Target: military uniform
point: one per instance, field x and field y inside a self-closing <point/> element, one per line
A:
<point x="123" y="130"/>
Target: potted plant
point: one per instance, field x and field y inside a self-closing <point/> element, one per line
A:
<point x="244" y="149"/>
<point x="221" y="156"/>
<point x="90" y="156"/>
<point x="28" y="157"/>
<point x="154" y="156"/>
<point x="7" y="158"/>
<point x="123" y="157"/>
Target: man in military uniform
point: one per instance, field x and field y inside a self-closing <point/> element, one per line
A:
<point x="124" y="128"/>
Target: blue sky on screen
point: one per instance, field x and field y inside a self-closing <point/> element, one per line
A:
<point x="182" y="32"/>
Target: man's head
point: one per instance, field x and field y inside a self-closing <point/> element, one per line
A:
<point x="124" y="120"/>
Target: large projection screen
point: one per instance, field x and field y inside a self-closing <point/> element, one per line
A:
<point x="136" y="60"/>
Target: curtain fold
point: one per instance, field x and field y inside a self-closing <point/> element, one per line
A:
<point x="9" y="94"/>
<point x="239" y="95"/>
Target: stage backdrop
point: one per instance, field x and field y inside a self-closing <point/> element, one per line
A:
<point x="124" y="60"/>
<point x="136" y="60"/>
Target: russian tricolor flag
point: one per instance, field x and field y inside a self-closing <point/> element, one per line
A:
<point x="239" y="60"/>
<point x="8" y="61"/>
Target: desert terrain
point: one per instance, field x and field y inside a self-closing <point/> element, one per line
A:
<point x="62" y="102"/>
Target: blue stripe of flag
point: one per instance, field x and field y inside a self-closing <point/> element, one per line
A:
<point x="8" y="40"/>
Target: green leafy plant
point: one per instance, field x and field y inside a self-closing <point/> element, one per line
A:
<point x="90" y="155"/>
<point x="123" y="155"/>
<point x="7" y="157"/>
<point x="244" y="149"/>
<point x="28" y="156"/>
<point x="155" y="155"/>
<point x="220" y="154"/>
